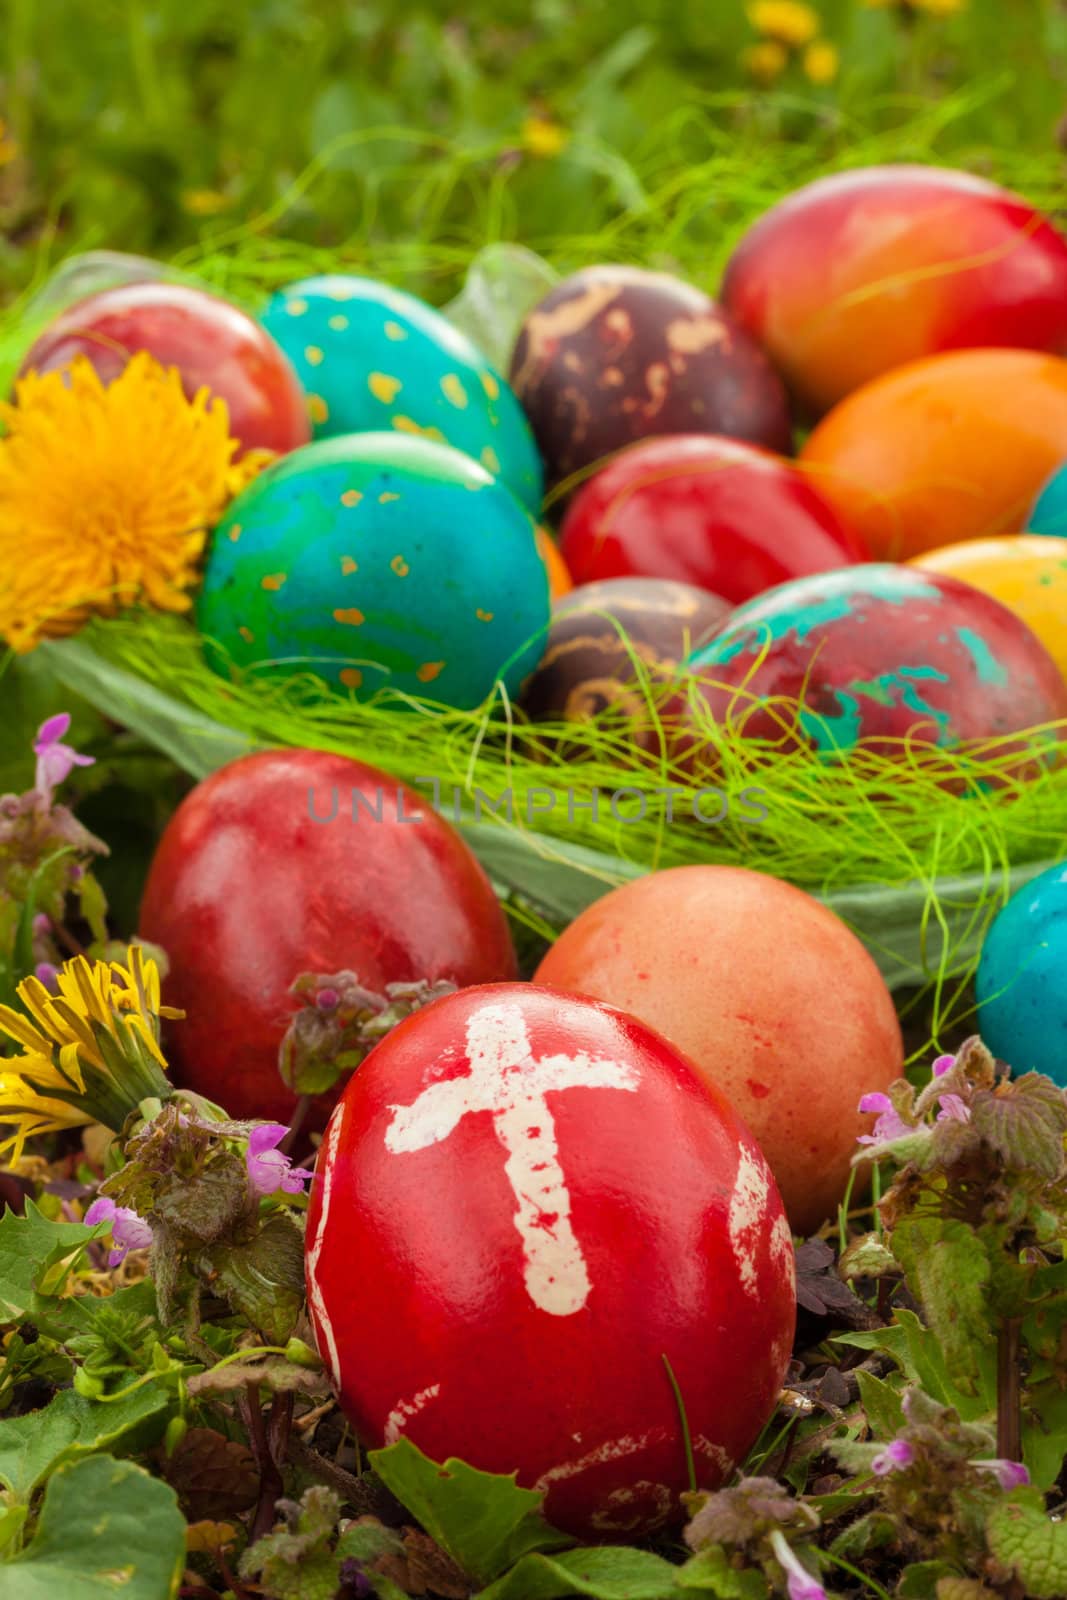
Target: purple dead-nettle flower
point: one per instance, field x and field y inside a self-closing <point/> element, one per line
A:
<point x="55" y="760"/>
<point x="942" y="1065"/>
<point x="268" y="1169"/>
<point x="128" y="1230"/>
<point x="897" y="1455"/>
<point x="800" y="1584"/>
<point x="953" y="1109"/>
<point x="47" y="974"/>
<point x="890" y="1124"/>
<point x="1009" y="1474"/>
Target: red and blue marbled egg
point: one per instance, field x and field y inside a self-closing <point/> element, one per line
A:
<point x="881" y="654"/>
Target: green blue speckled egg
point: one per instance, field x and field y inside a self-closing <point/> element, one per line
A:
<point x="878" y="653"/>
<point x="377" y="561"/>
<point x="371" y="357"/>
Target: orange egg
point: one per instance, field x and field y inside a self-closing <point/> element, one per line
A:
<point x="560" y="581"/>
<point x="1027" y="572"/>
<point x="952" y="447"/>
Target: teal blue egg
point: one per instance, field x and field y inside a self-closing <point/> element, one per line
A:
<point x="378" y="561"/>
<point x="1021" y="986"/>
<point x="371" y="357"/>
<point x="1049" y="511"/>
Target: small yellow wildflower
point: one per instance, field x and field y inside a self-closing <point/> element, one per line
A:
<point x="820" y="62"/>
<point x="932" y="8"/>
<point x="107" y="494"/>
<point x="90" y="1052"/>
<point x="765" y="62"/>
<point x="540" y="136"/>
<point x="204" y="202"/>
<point x="788" y="21"/>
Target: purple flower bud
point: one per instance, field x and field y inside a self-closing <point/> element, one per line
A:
<point x="327" y="999"/>
<point x="1009" y="1474"/>
<point x="128" y="1230"/>
<point x="897" y="1455"/>
<point x="953" y="1109"/>
<point x="890" y="1124"/>
<point x="47" y="974"/>
<point x="942" y="1065"/>
<point x="268" y="1169"/>
<point x="42" y="924"/>
<point x="800" y="1585"/>
<point x="55" y="760"/>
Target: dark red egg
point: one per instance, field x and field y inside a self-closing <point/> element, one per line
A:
<point x="863" y="271"/>
<point x="525" y="1205"/>
<point x="615" y="354"/>
<point x="213" y="344"/>
<point x="889" y="655"/>
<point x="589" y="664"/>
<point x="707" y="511"/>
<point x="293" y="861"/>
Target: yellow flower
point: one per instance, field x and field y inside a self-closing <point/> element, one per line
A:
<point x="107" y="494"/>
<point x="788" y="21"/>
<point x="820" y="62"/>
<point x="932" y="8"/>
<point x="204" y="202"/>
<point x="542" y="137"/>
<point x="90" y="1053"/>
<point x="765" y="62"/>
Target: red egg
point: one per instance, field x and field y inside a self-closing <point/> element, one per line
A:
<point x="712" y="512"/>
<point x="524" y="1204"/>
<point x="615" y="354"/>
<point x="294" y="861"/>
<point x="734" y="967"/>
<point x="863" y="271"/>
<point x="213" y="344"/>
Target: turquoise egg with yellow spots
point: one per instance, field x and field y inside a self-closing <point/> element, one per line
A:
<point x="888" y="655"/>
<point x="376" y="562"/>
<point x="371" y="357"/>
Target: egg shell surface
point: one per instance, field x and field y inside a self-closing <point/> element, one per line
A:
<point x="1021" y="984"/>
<point x="1026" y="572"/>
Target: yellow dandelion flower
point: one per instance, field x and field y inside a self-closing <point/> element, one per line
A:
<point x="820" y="62"/>
<point x="788" y="21"/>
<point x="540" y="136"/>
<point x="90" y="1051"/>
<point x="107" y="494"/>
<point x="765" y="62"/>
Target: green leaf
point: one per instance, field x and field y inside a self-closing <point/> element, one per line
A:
<point x="1032" y="1547"/>
<point x="30" y="1248"/>
<point x="106" y="1530"/>
<point x="710" y="1572"/>
<point x="920" y="1580"/>
<point x="918" y="1353"/>
<point x="881" y="1404"/>
<point x="484" y="1521"/>
<point x="946" y="1264"/>
<point x="1044" y="1436"/>
<point x="603" y="1574"/>
<point x="264" y="1280"/>
<point x="69" y="1427"/>
<point x="1025" y="1123"/>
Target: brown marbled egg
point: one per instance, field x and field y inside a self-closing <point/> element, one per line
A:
<point x="588" y="666"/>
<point x="615" y="354"/>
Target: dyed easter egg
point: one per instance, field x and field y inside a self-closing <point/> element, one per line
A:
<point x="614" y="354"/>
<point x="1021" y="985"/>
<point x="293" y="861"/>
<point x="725" y="516"/>
<point x="374" y="358"/>
<point x="954" y="447"/>
<point x="743" y="996"/>
<point x="378" y="561"/>
<point x="1025" y="572"/>
<point x="1049" y="514"/>
<point x="560" y="581"/>
<point x="863" y="271"/>
<point x="589" y="664"/>
<point x="532" y="1192"/>
<point x="213" y="344"/>
<point x="878" y="653"/>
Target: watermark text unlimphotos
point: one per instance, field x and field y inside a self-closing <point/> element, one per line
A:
<point x="625" y="805"/>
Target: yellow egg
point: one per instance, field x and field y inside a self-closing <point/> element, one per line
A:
<point x="1027" y="572"/>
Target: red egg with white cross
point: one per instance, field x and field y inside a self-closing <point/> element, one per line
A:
<point x="529" y="1213"/>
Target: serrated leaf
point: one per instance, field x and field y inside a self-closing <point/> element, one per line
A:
<point x="710" y="1572"/>
<point x="264" y="1280"/>
<point x="484" y="1521"/>
<point x="882" y="1405"/>
<point x="107" y="1529"/>
<point x="947" y="1267"/>
<point x="1024" y="1122"/>
<point x="30" y="1248"/>
<point x="1029" y="1545"/>
<point x="602" y="1574"/>
<point x="71" y="1426"/>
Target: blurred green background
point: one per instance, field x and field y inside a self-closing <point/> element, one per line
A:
<point x="647" y="128"/>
